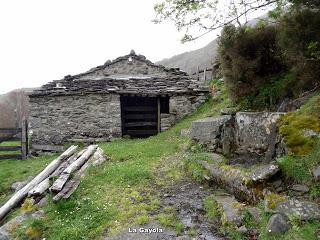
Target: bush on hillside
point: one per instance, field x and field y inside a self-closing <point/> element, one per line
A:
<point x="265" y="64"/>
<point x="299" y="41"/>
<point x="249" y="59"/>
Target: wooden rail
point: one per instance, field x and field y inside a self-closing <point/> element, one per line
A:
<point x="13" y="132"/>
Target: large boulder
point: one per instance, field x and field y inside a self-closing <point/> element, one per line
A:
<point x="305" y="210"/>
<point x="255" y="131"/>
<point x="277" y="224"/>
<point x="209" y="130"/>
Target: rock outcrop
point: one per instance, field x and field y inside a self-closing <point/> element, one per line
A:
<point x="240" y="133"/>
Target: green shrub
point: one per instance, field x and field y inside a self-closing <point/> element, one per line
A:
<point x="299" y="39"/>
<point x="249" y="59"/>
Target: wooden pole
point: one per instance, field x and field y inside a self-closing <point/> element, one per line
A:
<point x="64" y="177"/>
<point x="22" y="193"/>
<point x="198" y="73"/>
<point x="159" y="115"/>
<point x="24" y="139"/>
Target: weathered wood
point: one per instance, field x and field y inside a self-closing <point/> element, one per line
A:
<point x="5" y="139"/>
<point x="47" y="147"/>
<point x="24" y="139"/>
<point x="64" y="177"/>
<point x="142" y="131"/>
<point x="22" y="193"/>
<point x="10" y="156"/>
<point x="10" y="130"/>
<point x="139" y="109"/>
<point x="65" y="164"/>
<point x="159" y="116"/>
<point x="140" y="124"/>
<point x="44" y="187"/>
<point x="59" y="183"/>
<point x="81" y="160"/>
<point x="140" y="116"/>
<point x="10" y="148"/>
<point x="72" y="185"/>
<point x="39" y="189"/>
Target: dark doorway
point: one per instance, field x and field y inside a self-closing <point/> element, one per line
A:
<point x="139" y="116"/>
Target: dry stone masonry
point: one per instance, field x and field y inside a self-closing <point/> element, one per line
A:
<point x="240" y="133"/>
<point x="87" y="106"/>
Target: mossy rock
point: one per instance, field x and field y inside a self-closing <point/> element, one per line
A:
<point x="271" y="201"/>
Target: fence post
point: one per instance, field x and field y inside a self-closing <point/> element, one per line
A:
<point x="24" y="139"/>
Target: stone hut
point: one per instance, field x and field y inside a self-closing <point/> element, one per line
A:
<point x="127" y="96"/>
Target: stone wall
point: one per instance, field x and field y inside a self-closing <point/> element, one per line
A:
<point x="241" y="133"/>
<point x="180" y="106"/>
<point x="60" y="119"/>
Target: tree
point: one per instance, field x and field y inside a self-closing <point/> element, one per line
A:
<point x="199" y="17"/>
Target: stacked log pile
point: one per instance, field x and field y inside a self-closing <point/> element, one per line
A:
<point x="66" y="170"/>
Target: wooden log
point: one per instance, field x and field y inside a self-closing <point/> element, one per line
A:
<point x="81" y="160"/>
<point x="39" y="189"/>
<point x="43" y="186"/>
<point x="72" y="185"/>
<point x="22" y="193"/>
<point x="64" y="177"/>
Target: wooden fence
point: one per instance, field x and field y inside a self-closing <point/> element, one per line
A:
<point x="15" y="134"/>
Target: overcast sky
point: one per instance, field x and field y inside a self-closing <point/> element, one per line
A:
<point x="44" y="40"/>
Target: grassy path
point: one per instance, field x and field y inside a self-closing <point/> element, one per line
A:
<point x="121" y="192"/>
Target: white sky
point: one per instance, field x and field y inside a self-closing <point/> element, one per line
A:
<point x="42" y="40"/>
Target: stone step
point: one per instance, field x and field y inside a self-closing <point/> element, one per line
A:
<point x="244" y="185"/>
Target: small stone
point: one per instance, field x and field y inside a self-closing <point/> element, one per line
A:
<point x="43" y="202"/>
<point x="186" y="132"/>
<point x="276" y="184"/>
<point x="183" y="238"/>
<point x="255" y="213"/>
<point x="243" y="229"/>
<point x="265" y="172"/>
<point x="300" y="188"/>
<point x="280" y="189"/>
<point x="310" y="133"/>
<point x="228" y="111"/>
<point x="217" y="158"/>
<point x="277" y="224"/>
<point x="316" y="173"/>
<point x="19" y="185"/>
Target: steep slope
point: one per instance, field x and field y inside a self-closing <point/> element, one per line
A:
<point x="203" y="57"/>
<point x="189" y="61"/>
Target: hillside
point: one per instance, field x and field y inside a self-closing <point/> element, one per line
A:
<point x="203" y="57"/>
<point x="189" y="61"/>
<point x="14" y="104"/>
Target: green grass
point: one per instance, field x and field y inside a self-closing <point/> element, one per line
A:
<point x="125" y="190"/>
<point x="13" y="170"/>
<point x="10" y="143"/>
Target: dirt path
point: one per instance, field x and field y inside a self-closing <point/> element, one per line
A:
<point x="187" y="198"/>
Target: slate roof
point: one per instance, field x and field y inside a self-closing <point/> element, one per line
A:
<point x="164" y="81"/>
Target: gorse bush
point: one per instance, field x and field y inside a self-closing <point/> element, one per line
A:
<point x="299" y="39"/>
<point x="248" y="59"/>
<point x="264" y="64"/>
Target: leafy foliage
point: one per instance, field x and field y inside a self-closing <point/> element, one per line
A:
<point x="299" y="39"/>
<point x="199" y="17"/>
<point x="248" y="59"/>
